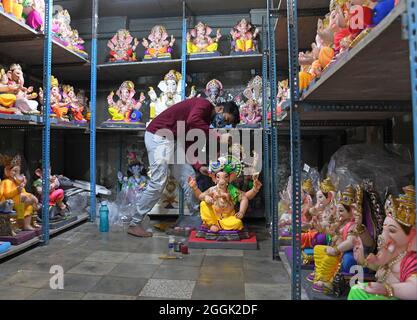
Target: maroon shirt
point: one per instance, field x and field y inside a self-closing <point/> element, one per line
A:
<point x="196" y="113"/>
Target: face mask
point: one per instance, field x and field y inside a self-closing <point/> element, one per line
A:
<point x="218" y="121"/>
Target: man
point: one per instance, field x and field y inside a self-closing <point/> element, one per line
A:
<point x="195" y="113"/>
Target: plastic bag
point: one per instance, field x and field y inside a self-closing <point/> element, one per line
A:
<point x="389" y="167"/>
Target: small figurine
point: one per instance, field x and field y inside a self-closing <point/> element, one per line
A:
<point x="24" y="96"/>
<point x="136" y="178"/>
<point x="34" y="10"/>
<point x="171" y="89"/>
<point x="57" y="206"/>
<point x="14" y="7"/>
<point x="348" y="227"/>
<point x="83" y="101"/>
<point x="200" y="42"/>
<point x="158" y="47"/>
<point x="77" y="43"/>
<point x="13" y="188"/>
<point x="75" y="108"/>
<point x="61" y="26"/>
<point x="244" y="37"/>
<point x="396" y="261"/>
<point x="59" y="108"/>
<point x="122" y="47"/>
<point x="214" y="93"/>
<point x="218" y="203"/>
<point x="251" y="110"/>
<point x="126" y="108"/>
<point x="7" y="94"/>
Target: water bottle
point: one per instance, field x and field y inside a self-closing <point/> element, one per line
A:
<point x="104" y="217"/>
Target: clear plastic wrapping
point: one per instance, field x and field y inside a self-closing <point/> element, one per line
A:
<point x="390" y="167"/>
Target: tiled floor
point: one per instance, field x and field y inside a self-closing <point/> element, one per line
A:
<point x="116" y="266"/>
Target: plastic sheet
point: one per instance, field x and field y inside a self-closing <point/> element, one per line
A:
<point x="389" y="167"/>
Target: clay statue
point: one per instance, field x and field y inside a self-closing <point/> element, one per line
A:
<point x="57" y="207"/>
<point x="218" y="203"/>
<point x="244" y="37"/>
<point x="59" y="107"/>
<point x="65" y="34"/>
<point x="14" y="7"/>
<point x="251" y="110"/>
<point x="75" y="108"/>
<point x="34" y="10"/>
<point x="171" y="88"/>
<point x="200" y="42"/>
<point x="126" y="108"/>
<point x="136" y="178"/>
<point x="396" y="261"/>
<point x="349" y="227"/>
<point x="7" y="94"/>
<point x="24" y="96"/>
<point x="158" y="46"/>
<point x="61" y="26"/>
<point x="122" y="47"/>
<point x="13" y="188"/>
<point x="214" y="92"/>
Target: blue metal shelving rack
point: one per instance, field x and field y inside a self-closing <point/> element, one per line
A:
<point x="93" y="107"/>
<point x="295" y="125"/>
<point x="46" y="134"/>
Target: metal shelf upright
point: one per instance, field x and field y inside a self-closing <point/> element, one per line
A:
<point x="46" y="134"/>
<point x="412" y="41"/>
<point x="292" y="24"/>
<point x="93" y="107"/>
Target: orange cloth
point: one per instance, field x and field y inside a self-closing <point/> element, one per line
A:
<point x="307" y="239"/>
<point x="60" y="111"/>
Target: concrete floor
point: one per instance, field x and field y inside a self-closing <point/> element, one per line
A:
<point x="118" y="266"/>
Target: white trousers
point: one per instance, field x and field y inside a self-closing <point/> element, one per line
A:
<point x="161" y="153"/>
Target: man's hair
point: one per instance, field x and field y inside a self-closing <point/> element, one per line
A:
<point x="233" y="109"/>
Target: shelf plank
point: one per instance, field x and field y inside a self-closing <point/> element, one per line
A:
<point x="133" y="70"/>
<point x="24" y="120"/>
<point x="225" y="63"/>
<point x="10" y="27"/>
<point x="16" y="249"/>
<point x="376" y="69"/>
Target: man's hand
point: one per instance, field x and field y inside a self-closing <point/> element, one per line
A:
<point x="204" y="171"/>
<point x="192" y="183"/>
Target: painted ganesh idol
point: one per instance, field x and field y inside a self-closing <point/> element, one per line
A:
<point x="157" y="45"/>
<point x="251" y="110"/>
<point x="218" y="203"/>
<point x="396" y="261"/>
<point x="171" y="89"/>
<point x="126" y="108"/>
<point x="244" y="37"/>
<point x="329" y="259"/>
<point x="122" y="47"/>
<point x="199" y="41"/>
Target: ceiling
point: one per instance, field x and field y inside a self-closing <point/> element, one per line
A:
<point x="158" y="8"/>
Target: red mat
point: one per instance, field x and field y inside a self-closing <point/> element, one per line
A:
<point x="244" y="244"/>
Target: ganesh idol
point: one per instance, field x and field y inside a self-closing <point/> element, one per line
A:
<point x="329" y="259"/>
<point x="244" y="37"/>
<point x="396" y="261"/>
<point x="217" y="207"/>
<point x="126" y="108"/>
<point x="157" y="45"/>
<point x="171" y="89"/>
<point x="199" y="41"/>
<point x="122" y="47"/>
